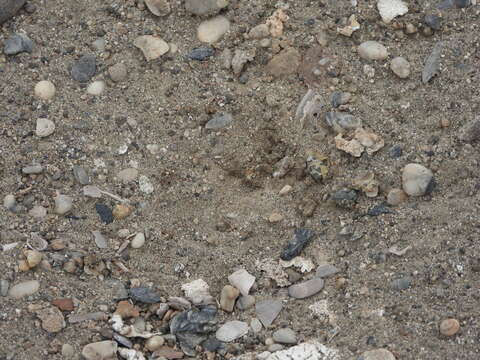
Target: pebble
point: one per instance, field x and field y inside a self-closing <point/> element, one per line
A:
<point x="154" y="343"/>
<point x="285" y="190"/>
<point x="68" y="351"/>
<point x="275" y="218"/>
<point x="52" y="319"/>
<point x="105" y="213"/>
<point x="138" y="241"/>
<point x="372" y="50"/>
<point x="242" y="280"/>
<point x="449" y="327"/>
<point x="99" y="44"/>
<point x="9" y="202"/>
<point x="284" y="63"/>
<point x="340" y="98"/>
<point x="231" y="331"/>
<point x="201" y="53"/>
<point x="268" y="310"/>
<point x="81" y="175"/>
<point x="100" y="240"/>
<point x="256" y="325"/>
<point x="84" y="68"/>
<point x="158" y="7"/>
<point x="396" y="197"/>
<point x="34" y="258"/>
<point x="102" y="350"/>
<point x="44" y="127"/>
<point x="205" y="7"/>
<point x="433" y="21"/>
<point x="23" y="289"/>
<point x="219" y="121"/>
<point x="417" y="180"/>
<point x="96" y="88"/>
<point x="151" y="46"/>
<point x="8" y="8"/>
<point x="258" y="32"/>
<point x="4" y="285"/>
<point x="227" y="298"/>
<point x="395" y="151"/>
<point x="94" y="316"/>
<point x="285" y="336"/>
<point x="379" y="209"/>
<point x="118" y="72"/>
<point x="144" y="295"/>
<point x="18" y="43"/>
<point x="200" y="321"/>
<point x="63" y="204"/>
<point x="301" y="238"/>
<point x="400" y="67"/>
<point x="128" y="175"/>
<point x="432" y="64"/>
<point x="390" y="9"/>
<point x="326" y="270"/>
<point x="64" y="304"/>
<point x="32" y="169"/>
<point x="44" y="90"/>
<point x="245" y="302"/>
<point x="210" y="31"/>
<point x="341" y="122"/>
<point x="145" y="185"/>
<point x="306" y="289"/>
<point x="377" y="354"/>
<point x="121" y="211"/>
<point x="402" y="283"/>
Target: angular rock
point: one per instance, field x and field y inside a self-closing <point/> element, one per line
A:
<point x="144" y="295"/>
<point x="81" y="175"/>
<point x="242" y="280"/>
<point x="231" y="331"/>
<point x="285" y="63"/>
<point x="52" y="319"/>
<point x="417" y="180"/>
<point x="326" y="270"/>
<point x="23" y="289"/>
<point x="306" y="289"/>
<point x="105" y="213"/>
<point x="432" y="63"/>
<point x="100" y="240"/>
<point x="312" y="350"/>
<point x="268" y="310"/>
<point x="342" y="122"/>
<point x="219" y="121"/>
<point x="340" y="98"/>
<point x="63" y="204"/>
<point x="201" y="53"/>
<point x="301" y="238"/>
<point x="84" y="68"/>
<point x="227" y="298"/>
<point x="18" y="43"/>
<point x="256" y="325"/>
<point x="64" y="304"/>
<point x="245" y="302"/>
<point x="151" y="46"/>
<point x="198" y="293"/>
<point x="202" y="321"/>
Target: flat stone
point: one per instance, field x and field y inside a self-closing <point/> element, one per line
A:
<point x="205" y="7"/>
<point x="138" y="241"/>
<point x="118" y="72"/>
<point x="301" y="238"/>
<point x="312" y="350"/>
<point x="306" y="289"/>
<point x="8" y="9"/>
<point x="326" y="270"/>
<point x="52" y="319"/>
<point x="417" y="180"/>
<point x="4" y="285"/>
<point x="32" y="169"/>
<point x="242" y="280"/>
<point x="219" y="121"/>
<point x="400" y="67"/>
<point x="128" y="175"/>
<point x="145" y="295"/>
<point x="84" y="68"/>
<point x="245" y="302"/>
<point x="212" y="30"/>
<point x="81" y="175"/>
<point x="285" y="336"/>
<point x="168" y="353"/>
<point x="402" y="283"/>
<point x="231" y="331"/>
<point x="268" y="310"/>
<point x="93" y="316"/>
<point x="18" y="43"/>
<point x="285" y="63"/>
<point x="151" y="46"/>
<point x="390" y="9"/>
<point x="202" y="321"/>
<point x="377" y="354"/>
<point x="64" y="304"/>
<point x="24" y="289"/>
<point x="100" y="240"/>
<point x="103" y="350"/>
<point x="105" y="213"/>
<point x="372" y="50"/>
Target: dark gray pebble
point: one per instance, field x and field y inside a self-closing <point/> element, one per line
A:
<point x="144" y="295"/>
<point x="379" y="209"/>
<point x="300" y="239"/>
<point x="17" y="44"/>
<point x="84" y="68"/>
<point x="8" y="8"/>
<point x="396" y="151"/>
<point x="433" y="21"/>
<point x="402" y="283"/>
<point x="202" y="321"/>
<point x="344" y="198"/>
<point x="447" y="4"/>
<point x="201" y="53"/>
<point x="105" y="213"/>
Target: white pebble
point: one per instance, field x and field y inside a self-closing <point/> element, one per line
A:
<point x="44" y="90"/>
<point x="96" y="88"/>
<point x="416" y="179"/>
<point x="210" y="31"/>
<point x="400" y="67"/>
<point x="9" y="202"/>
<point x="152" y="47"/>
<point x="372" y="50"/>
<point x="138" y="241"/>
<point x="45" y="127"/>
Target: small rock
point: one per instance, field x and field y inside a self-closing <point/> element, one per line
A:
<point x="377" y="354"/>
<point x="231" y="331"/>
<point x="285" y="336"/>
<point x="205" y="7"/>
<point x="100" y="240"/>
<point x="198" y="292"/>
<point x="372" y="50"/>
<point x="417" y="180"/>
<point x="9" y="202"/>
<point x="94" y="316"/>
<point x="242" y="280"/>
<point x="284" y="63"/>
<point x="344" y="198"/>
<point x="402" y="283"/>
<point x="433" y="21"/>
<point x="432" y="63"/>
<point x="396" y="197"/>
<point x="396" y="151"/>
<point x="158" y="7"/>
<point x="301" y="238"/>
<point x="259" y="32"/>
<point x="326" y="270"/>
<point x="138" y="241"/>
<point x="154" y="343"/>
<point x="306" y="289"/>
<point x="96" y="88"/>
<point x="400" y="67"/>
<point x="285" y="190"/>
<point x="151" y="46"/>
<point x="52" y="319"/>
<point x="121" y="211"/>
<point x="103" y="350"/>
<point x="105" y="213"/>
<point x="81" y="175"/>
<point x="63" y="204"/>
<point x="99" y="44"/>
<point x="256" y="325"/>
<point x="64" y="304"/>
<point x="128" y="175"/>
<point x="18" y="43"/>
<point x="275" y="218"/>
<point x="268" y="310"/>
<point x="32" y="169"/>
<point x="449" y="327"/>
<point x="239" y="59"/>
<point x="68" y="351"/>
<point x="245" y="302"/>
<point x="8" y="9"/>
<point x="33" y="257"/>
<point x="118" y="72"/>
<point x="44" y="127"/>
<point x="352" y="26"/>
<point x="342" y="122"/>
<point x="144" y="295"/>
<point x="92" y="191"/>
<point x="210" y="31"/>
<point x="340" y="98"/>
<point x="84" y="68"/>
<point x="145" y="185"/>
<point x="390" y="9"/>
<point x="227" y="298"/>
<point x="219" y="121"/>
<point x="4" y="285"/>
<point x="127" y="310"/>
<point x="379" y="209"/>
<point x="201" y="53"/>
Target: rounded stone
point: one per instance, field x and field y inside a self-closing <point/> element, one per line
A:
<point x="417" y="180"/>
<point x="231" y="331"/>
<point x="44" y="127"/>
<point x="205" y="7"/>
<point x="100" y="350"/>
<point x="32" y="169"/>
<point x="84" y="68"/>
<point x="154" y="343"/>
<point x="121" y="211"/>
<point x="377" y="354"/>
<point x="96" y="88"/>
<point x="396" y="197"/>
<point x="400" y="67"/>
<point x="63" y="204"/>
<point x="227" y="298"/>
<point x="449" y="327"/>
<point x="23" y="289"/>
<point x="9" y="202"/>
<point x="138" y="241"/>
<point x="285" y="336"/>
<point x="372" y="50"/>
<point x="210" y="31"/>
<point x="44" y="90"/>
<point x="118" y="72"/>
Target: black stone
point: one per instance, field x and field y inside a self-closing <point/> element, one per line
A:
<point x="433" y="21"/>
<point x="144" y="295"/>
<point x="201" y="321"/>
<point x="301" y="238"/>
<point x="201" y="53"/>
<point x="84" y="68"/>
<point x="105" y="213"/>
<point x="379" y="209"/>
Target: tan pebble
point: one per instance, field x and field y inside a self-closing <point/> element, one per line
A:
<point x="444" y="123"/>
<point x="227" y="298"/>
<point x="275" y="217"/>
<point x="285" y="190"/>
<point x="340" y="282"/>
<point x="70" y="266"/>
<point x="449" y="327"/>
<point x="121" y="211"/>
<point x="396" y="197"/>
<point x="33" y="257"/>
<point x="68" y="351"/>
<point x="23" y="266"/>
<point x="57" y="244"/>
<point x="154" y="343"/>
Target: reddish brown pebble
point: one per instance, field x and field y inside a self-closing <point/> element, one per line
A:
<point x="63" y="304"/>
<point x="126" y="310"/>
<point x="121" y="211"/>
<point x="449" y="327"/>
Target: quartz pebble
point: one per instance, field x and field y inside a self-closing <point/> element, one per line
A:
<point x="377" y="354"/>
<point x="449" y="327"/>
<point x="372" y="50"/>
<point x="285" y="336"/>
<point x="138" y="241"/>
<point x="103" y="350"/>
<point x="84" y="68"/>
<point x="151" y="46"/>
<point x="242" y="280"/>
<point x="227" y="298"/>
<point x="44" y="127"/>
<point x="417" y="180"/>
<point x="390" y="9"/>
<point x="306" y="289"/>
<point x="118" y="72"/>
<point x="231" y="331"/>
<point x="400" y="67"/>
<point x="18" y="43"/>
<point x="96" y="88"/>
<point x="210" y="31"/>
<point x="205" y="7"/>
<point x="23" y="289"/>
<point x="63" y="204"/>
